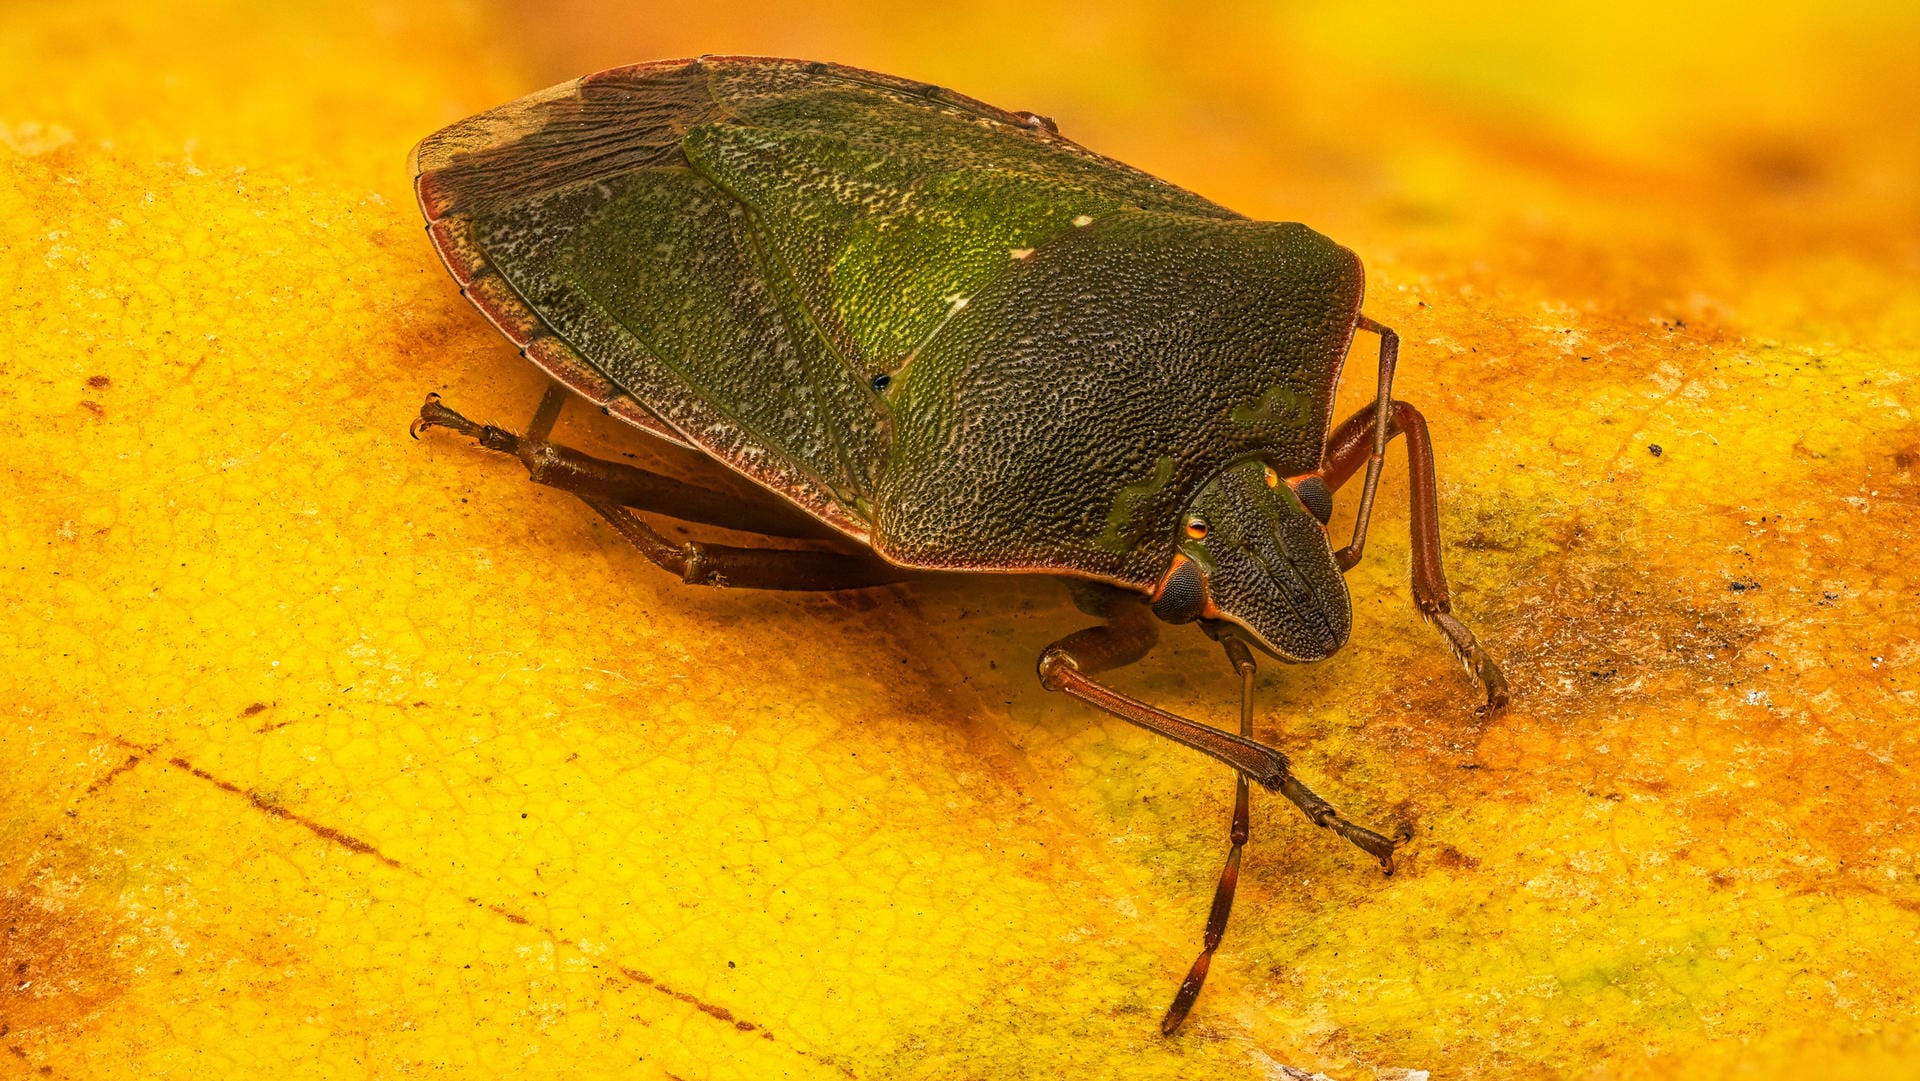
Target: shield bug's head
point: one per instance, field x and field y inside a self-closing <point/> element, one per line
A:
<point x="1253" y="553"/>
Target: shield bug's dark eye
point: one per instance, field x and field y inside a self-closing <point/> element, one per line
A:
<point x="1196" y="527"/>
<point x="1183" y="596"/>
<point x="1315" y="497"/>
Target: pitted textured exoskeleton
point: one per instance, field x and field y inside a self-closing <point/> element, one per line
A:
<point x="952" y="339"/>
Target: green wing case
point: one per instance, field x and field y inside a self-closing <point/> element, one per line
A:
<point x="729" y="252"/>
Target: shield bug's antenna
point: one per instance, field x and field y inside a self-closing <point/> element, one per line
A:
<point x="1382" y="409"/>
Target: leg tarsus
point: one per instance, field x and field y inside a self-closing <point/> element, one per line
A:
<point x="1351" y="444"/>
<point x="1184" y="998"/>
<point x="433" y="414"/>
<point x="1322" y="814"/>
<point x="1475" y="659"/>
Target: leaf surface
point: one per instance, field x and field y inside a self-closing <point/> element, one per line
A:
<point x="335" y="754"/>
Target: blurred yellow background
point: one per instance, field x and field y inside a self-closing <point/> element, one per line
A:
<point x="328" y="753"/>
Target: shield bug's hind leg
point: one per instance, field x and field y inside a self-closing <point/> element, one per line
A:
<point x="610" y="488"/>
<point x="558" y="466"/>
<point x="1355" y="441"/>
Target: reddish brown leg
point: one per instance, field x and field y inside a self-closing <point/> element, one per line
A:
<point x="611" y="487"/>
<point x="698" y="563"/>
<point x="562" y="467"/>
<point x="1242" y="660"/>
<point x="1354" y="442"/>
<point x="1130" y="631"/>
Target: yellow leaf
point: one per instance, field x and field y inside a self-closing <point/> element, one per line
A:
<point x="331" y="753"/>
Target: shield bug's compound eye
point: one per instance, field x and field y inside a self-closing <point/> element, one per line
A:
<point x="1315" y="496"/>
<point x="1273" y="478"/>
<point x="1196" y="527"/>
<point x="1183" y="593"/>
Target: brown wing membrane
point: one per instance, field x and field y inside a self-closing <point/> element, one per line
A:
<point x="556" y="137"/>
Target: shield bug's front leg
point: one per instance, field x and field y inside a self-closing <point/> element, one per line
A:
<point x="1316" y="809"/>
<point x="1242" y="659"/>
<point x="1375" y="424"/>
<point x="1130" y="631"/>
<point x="1355" y="442"/>
<point x="611" y="487"/>
<point x="1128" y="634"/>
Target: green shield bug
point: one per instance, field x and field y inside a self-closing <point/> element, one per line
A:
<point x="959" y="341"/>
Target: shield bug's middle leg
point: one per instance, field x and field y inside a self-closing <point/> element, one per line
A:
<point x="702" y="563"/>
<point x="610" y="488"/>
<point x="1354" y="442"/>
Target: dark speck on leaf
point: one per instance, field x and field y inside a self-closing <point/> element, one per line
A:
<point x="1653" y="449"/>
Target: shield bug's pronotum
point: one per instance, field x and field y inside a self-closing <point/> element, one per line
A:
<point x="957" y="340"/>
